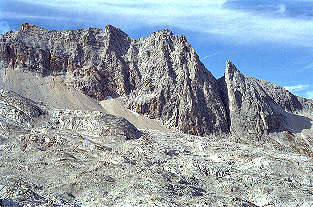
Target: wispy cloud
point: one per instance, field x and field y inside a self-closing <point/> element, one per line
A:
<point x="14" y="15"/>
<point x="301" y="90"/>
<point x="282" y="9"/>
<point x="309" y="94"/>
<point x="309" y="66"/>
<point x="297" y="88"/>
<point x="204" y="16"/>
<point x="209" y="56"/>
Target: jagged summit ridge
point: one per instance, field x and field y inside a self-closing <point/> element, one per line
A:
<point x="160" y="76"/>
<point x="27" y="27"/>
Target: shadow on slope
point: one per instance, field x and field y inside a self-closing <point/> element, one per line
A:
<point x="295" y="123"/>
<point x="8" y="203"/>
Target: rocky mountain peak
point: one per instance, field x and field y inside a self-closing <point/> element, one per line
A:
<point x="165" y="33"/>
<point x="166" y="37"/>
<point x="256" y="107"/>
<point x="26" y="27"/>
<point x="111" y="30"/>
<point x="182" y="38"/>
<point x="231" y="69"/>
<point x="160" y="76"/>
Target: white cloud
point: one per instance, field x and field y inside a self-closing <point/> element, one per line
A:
<point x="282" y="9"/>
<point x="309" y="94"/>
<point x="296" y="88"/>
<point x="205" y="16"/>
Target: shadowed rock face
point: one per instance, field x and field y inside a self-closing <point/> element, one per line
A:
<point x="259" y="107"/>
<point x="161" y="75"/>
<point x="176" y="87"/>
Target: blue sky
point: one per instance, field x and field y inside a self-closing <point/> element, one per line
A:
<point x="267" y="39"/>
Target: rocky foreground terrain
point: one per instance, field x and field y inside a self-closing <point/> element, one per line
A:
<point x="92" y="117"/>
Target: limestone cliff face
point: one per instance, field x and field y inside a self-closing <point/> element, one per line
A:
<point x="259" y="107"/>
<point x="160" y="76"/>
<point x="175" y="86"/>
<point x="89" y="59"/>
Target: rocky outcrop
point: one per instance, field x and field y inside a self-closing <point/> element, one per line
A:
<point x="17" y="110"/>
<point x="259" y="107"/>
<point x="160" y="76"/>
<point x="89" y="59"/>
<point x="96" y="124"/>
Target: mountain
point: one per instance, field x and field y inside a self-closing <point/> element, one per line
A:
<point x="93" y="117"/>
<point x="160" y="76"/>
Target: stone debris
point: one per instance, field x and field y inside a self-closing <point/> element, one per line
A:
<point x="59" y="166"/>
<point x="17" y="109"/>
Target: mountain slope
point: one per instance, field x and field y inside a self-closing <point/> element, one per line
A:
<point x="55" y="157"/>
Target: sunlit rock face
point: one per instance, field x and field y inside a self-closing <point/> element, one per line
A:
<point x="259" y="107"/>
<point x="186" y="139"/>
<point x="161" y="75"/>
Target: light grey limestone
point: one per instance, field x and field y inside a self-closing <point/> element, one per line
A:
<point x="258" y="107"/>
<point x="160" y="76"/>
<point x="63" y="157"/>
